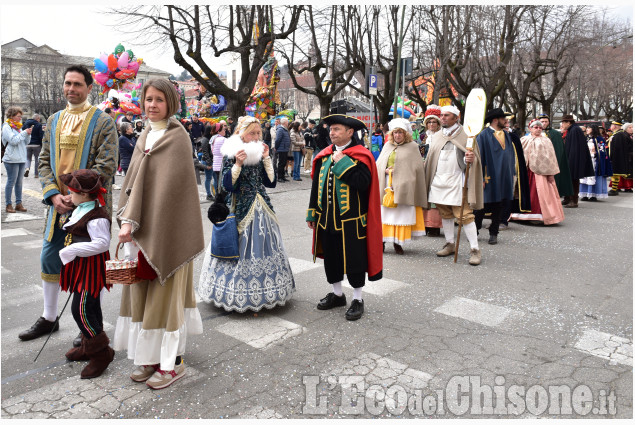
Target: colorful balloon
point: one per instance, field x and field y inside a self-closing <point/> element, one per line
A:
<point x="134" y="66"/>
<point x="101" y="78"/>
<point x="109" y="83"/>
<point x="123" y="61"/>
<point x="100" y="66"/>
<point x="112" y="62"/>
<point x="130" y="54"/>
<point x="124" y="74"/>
<point x="119" y="49"/>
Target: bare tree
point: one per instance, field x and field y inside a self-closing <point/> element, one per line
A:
<point x="194" y="32"/>
<point x="322" y="47"/>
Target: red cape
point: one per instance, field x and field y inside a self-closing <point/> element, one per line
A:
<point x="374" y="235"/>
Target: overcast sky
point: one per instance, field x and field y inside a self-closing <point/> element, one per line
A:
<point x="86" y="30"/>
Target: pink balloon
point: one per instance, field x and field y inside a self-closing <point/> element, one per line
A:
<point x="123" y="61"/>
<point x="134" y="66"/>
<point x="104" y="58"/>
<point x="101" y="78"/>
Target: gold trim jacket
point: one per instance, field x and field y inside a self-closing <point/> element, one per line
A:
<point x="340" y="194"/>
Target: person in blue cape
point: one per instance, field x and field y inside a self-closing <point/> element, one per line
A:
<point x="498" y="160"/>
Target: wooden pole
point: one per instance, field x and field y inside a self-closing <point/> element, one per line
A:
<point x="463" y="204"/>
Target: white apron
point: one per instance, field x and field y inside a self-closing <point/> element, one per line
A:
<point x="447" y="183"/>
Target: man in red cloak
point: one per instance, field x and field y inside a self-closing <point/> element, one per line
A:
<point x="344" y="214"/>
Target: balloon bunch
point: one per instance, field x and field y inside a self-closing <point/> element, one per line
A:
<point x="402" y="104"/>
<point x="113" y="71"/>
<point x="121" y="103"/>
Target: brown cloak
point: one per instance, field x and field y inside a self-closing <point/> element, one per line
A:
<point x="408" y="177"/>
<point x="160" y="197"/>
<point x="475" y="180"/>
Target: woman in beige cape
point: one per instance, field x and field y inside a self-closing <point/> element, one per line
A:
<point x="542" y="165"/>
<point x="159" y="212"/>
<point x="400" y="157"/>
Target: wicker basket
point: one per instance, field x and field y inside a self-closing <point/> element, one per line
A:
<point x="121" y="271"/>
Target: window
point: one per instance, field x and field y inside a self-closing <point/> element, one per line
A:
<point x="24" y="92"/>
<point x="4" y="70"/>
<point x="24" y="71"/>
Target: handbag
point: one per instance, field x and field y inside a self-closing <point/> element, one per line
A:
<point x="389" y="194"/>
<point x="225" y="239"/>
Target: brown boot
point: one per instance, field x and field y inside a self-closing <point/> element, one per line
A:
<point x="10" y="208"/>
<point x="78" y="354"/>
<point x="100" y="355"/>
<point x="20" y="207"/>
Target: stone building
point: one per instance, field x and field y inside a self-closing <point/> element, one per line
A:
<point x="32" y="77"/>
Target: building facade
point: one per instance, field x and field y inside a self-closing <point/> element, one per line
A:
<point x="32" y="77"/>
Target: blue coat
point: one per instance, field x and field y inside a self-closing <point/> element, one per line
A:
<point x="283" y="140"/>
<point x="126" y="148"/>
<point x="499" y="166"/>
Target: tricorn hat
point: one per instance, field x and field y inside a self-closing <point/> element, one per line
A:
<point x="351" y="122"/>
<point x="85" y="181"/>
<point x="568" y="118"/>
<point x="493" y="114"/>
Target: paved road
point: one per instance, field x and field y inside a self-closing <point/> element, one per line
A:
<point x="549" y="309"/>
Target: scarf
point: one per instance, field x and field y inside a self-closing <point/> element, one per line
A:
<point x="16" y="125"/>
<point x="159" y="197"/>
<point x="81" y="210"/>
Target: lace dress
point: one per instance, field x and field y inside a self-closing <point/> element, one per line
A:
<point x="261" y="277"/>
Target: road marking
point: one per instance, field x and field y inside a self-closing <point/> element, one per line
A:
<point x="380" y="287"/>
<point x="112" y="395"/>
<point x="260" y="413"/>
<point x="15" y="217"/>
<point x="298" y="265"/>
<point x="475" y="311"/>
<point x="260" y="332"/>
<point x="21" y="295"/>
<point x="14" y="347"/>
<point x="378" y="370"/>
<point x="622" y="204"/>
<point x="37" y="244"/>
<point x="5" y="271"/>
<point x="7" y="233"/>
<point x="606" y="346"/>
<point x="33" y="193"/>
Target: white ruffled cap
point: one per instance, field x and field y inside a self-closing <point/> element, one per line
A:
<point x="402" y="123"/>
<point x="451" y="109"/>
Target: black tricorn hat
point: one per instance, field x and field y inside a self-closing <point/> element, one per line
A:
<point x="568" y="118"/>
<point x="351" y="122"/>
<point x="83" y="181"/>
<point x="493" y="114"/>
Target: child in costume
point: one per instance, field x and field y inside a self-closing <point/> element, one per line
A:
<point x="83" y="272"/>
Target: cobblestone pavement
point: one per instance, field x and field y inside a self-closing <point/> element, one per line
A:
<point x="548" y="312"/>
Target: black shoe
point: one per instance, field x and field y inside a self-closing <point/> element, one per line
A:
<point x="593" y="199"/>
<point x="77" y="342"/>
<point x="584" y="198"/>
<point x="283" y="179"/>
<point x="332" y="300"/>
<point x="613" y="192"/>
<point x="41" y="327"/>
<point x="297" y="180"/>
<point x="493" y="239"/>
<point x="356" y="310"/>
<point x="210" y="198"/>
<point x="26" y="173"/>
<point x="628" y="191"/>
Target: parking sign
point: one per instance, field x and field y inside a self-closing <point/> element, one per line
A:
<point x="372" y="84"/>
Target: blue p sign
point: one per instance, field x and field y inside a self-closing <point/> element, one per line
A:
<point x="372" y="84"/>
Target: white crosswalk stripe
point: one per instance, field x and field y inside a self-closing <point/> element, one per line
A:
<point x="36" y="244"/>
<point x="68" y="331"/>
<point x="476" y="311"/>
<point x="298" y="265"/>
<point x="15" y="217"/>
<point x="260" y="332"/>
<point x="380" y="287"/>
<point x="7" y="233"/>
<point x="606" y="346"/>
<point x="5" y="271"/>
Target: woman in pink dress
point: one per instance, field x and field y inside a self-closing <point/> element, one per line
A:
<point x="542" y="165"/>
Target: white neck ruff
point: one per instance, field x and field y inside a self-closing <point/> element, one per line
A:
<point x="254" y="150"/>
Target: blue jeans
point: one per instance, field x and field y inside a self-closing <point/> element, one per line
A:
<point x="215" y="177"/>
<point x="15" y="173"/>
<point x="208" y="178"/>
<point x="297" y="159"/>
